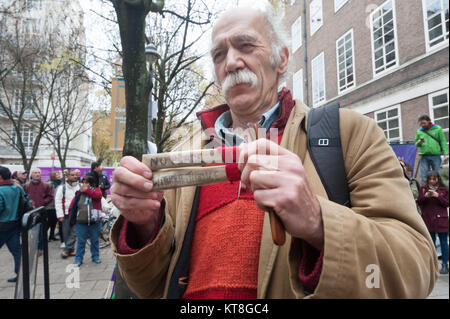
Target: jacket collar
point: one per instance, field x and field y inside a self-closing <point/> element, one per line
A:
<point x="7" y="182"/>
<point x="209" y="116"/>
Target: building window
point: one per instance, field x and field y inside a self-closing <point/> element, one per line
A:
<point x="439" y="110"/>
<point x="436" y="22"/>
<point x="316" y="15"/>
<point x="30" y="29"/>
<point x="296" y="34"/>
<point x="384" y="43"/>
<point x="345" y="62"/>
<point x="318" y="79"/>
<point x="390" y="122"/>
<point x="27" y="134"/>
<point x="29" y="104"/>
<point x="33" y="4"/>
<point x="298" y="85"/>
<point x="339" y="4"/>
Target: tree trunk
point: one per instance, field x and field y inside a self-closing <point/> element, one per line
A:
<point x="131" y="21"/>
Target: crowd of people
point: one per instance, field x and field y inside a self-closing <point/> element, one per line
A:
<point x="72" y="206"/>
<point x="432" y="197"/>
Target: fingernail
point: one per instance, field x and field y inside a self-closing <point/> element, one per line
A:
<point x="148" y="185"/>
<point x="147" y="175"/>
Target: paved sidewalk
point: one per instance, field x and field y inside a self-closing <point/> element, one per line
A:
<point x="94" y="278"/>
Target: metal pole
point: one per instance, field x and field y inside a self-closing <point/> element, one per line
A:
<point x="150" y="106"/>
<point x="25" y="263"/>
<point x="44" y="228"/>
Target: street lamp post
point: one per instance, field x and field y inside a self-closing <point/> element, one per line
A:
<point x="150" y="52"/>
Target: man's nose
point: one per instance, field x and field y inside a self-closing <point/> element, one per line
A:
<point x="234" y="61"/>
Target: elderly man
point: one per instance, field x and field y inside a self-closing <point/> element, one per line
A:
<point x="41" y="193"/>
<point x="207" y="242"/>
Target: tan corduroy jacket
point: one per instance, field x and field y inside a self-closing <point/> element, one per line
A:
<point x="380" y="248"/>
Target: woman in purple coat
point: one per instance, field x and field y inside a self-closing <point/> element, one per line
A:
<point x="433" y="201"/>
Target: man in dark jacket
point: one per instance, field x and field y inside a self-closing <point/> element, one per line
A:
<point x="40" y="193"/>
<point x="10" y="195"/>
<point x="102" y="181"/>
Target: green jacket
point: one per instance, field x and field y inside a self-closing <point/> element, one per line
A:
<point x="9" y="202"/>
<point x="431" y="146"/>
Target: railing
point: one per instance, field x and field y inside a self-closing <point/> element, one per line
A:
<point x="33" y="230"/>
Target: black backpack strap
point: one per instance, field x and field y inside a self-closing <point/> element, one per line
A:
<point x="324" y="146"/>
<point x="179" y="279"/>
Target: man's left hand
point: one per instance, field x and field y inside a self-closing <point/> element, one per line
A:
<point x="278" y="180"/>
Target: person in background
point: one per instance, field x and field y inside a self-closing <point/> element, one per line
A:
<point x="430" y="139"/>
<point x="9" y="226"/>
<point x="85" y="214"/>
<point x="78" y="173"/>
<point x="102" y="180"/>
<point x="63" y="198"/>
<point x="40" y="193"/>
<point x="55" y="181"/>
<point x="433" y="202"/>
<point x="21" y="177"/>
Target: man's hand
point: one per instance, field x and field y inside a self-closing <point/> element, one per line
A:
<point x="61" y="219"/>
<point x="278" y="180"/>
<point x="421" y="141"/>
<point x="132" y="194"/>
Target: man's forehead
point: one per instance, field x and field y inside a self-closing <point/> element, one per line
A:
<point x="237" y="21"/>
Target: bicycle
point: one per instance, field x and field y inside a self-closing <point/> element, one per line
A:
<point x="107" y="223"/>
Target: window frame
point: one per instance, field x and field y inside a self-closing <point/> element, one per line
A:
<point x="340" y="91"/>
<point x="400" y="126"/>
<point x="318" y="103"/>
<point x="301" y="80"/>
<point x="397" y="58"/>
<point x="337" y="8"/>
<point x="310" y="17"/>
<point x="431" y="107"/>
<point x="427" y="31"/>
<point x="300" y="42"/>
<point x="28" y="131"/>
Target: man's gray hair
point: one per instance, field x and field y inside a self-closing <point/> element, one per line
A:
<point x="278" y="36"/>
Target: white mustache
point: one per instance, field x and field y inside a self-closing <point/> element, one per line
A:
<point x="239" y="77"/>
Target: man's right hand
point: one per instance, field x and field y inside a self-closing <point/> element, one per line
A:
<point x="132" y="193"/>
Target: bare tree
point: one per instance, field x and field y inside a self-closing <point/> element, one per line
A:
<point x="71" y="116"/>
<point x="40" y="86"/>
<point x="181" y="85"/>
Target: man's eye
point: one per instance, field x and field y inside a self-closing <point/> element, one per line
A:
<point x="218" y="55"/>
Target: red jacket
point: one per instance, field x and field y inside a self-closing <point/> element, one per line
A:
<point x="95" y="194"/>
<point x="41" y="193"/>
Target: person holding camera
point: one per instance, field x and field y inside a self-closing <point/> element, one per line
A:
<point x="433" y="201"/>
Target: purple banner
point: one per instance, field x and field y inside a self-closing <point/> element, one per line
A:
<point x="406" y="152"/>
<point x="45" y="173"/>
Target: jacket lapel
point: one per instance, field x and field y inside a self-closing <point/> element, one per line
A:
<point x="294" y="139"/>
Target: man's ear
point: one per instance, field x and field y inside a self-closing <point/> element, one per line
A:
<point x="284" y="61"/>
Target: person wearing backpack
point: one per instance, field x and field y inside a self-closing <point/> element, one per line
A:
<point x="11" y="210"/>
<point x="63" y="197"/>
<point x="215" y="241"/>
<point x="85" y="214"/>
<point x="430" y="139"/>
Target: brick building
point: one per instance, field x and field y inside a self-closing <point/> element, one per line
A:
<point x="385" y="59"/>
